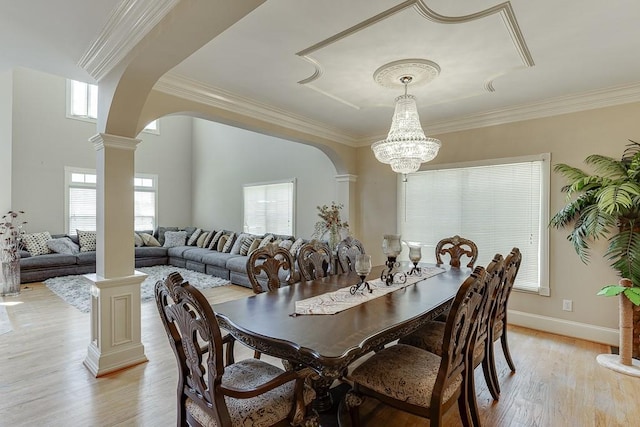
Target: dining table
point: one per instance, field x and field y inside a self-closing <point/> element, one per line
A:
<point x="329" y="343"/>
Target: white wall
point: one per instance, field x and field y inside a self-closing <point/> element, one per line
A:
<point x="6" y="102"/>
<point x="225" y="158"/>
<point x="45" y="141"/>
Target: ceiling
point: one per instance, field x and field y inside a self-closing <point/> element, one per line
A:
<point x="315" y="61"/>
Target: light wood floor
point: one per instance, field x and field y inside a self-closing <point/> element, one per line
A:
<point x="43" y="381"/>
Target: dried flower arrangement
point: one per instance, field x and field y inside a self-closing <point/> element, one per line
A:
<point x="11" y="231"/>
<point x="331" y="223"/>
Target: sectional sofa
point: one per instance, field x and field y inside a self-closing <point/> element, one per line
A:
<point x="190" y="248"/>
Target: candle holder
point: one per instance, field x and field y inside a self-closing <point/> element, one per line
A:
<point x="363" y="268"/>
<point x="415" y="255"/>
<point x="391" y="248"/>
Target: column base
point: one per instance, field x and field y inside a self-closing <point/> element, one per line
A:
<point x="101" y="364"/>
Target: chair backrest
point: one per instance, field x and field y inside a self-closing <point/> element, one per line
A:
<point x="196" y="340"/>
<point x="265" y="265"/>
<point x="511" y="268"/>
<point x="347" y="250"/>
<point x="458" y="333"/>
<point x="486" y="310"/>
<point x="457" y="246"/>
<point x="315" y="260"/>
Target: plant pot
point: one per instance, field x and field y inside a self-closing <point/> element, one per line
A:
<point x="10" y="278"/>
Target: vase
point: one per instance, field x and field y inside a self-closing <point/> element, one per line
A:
<point x="334" y="238"/>
<point x="10" y="278"/>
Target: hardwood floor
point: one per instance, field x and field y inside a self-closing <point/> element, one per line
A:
<point x="43" y="381"/>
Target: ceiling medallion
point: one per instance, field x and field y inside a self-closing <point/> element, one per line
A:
<point x="421" y="71"/>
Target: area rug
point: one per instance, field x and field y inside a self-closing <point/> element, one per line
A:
<point x="75" y="289"/>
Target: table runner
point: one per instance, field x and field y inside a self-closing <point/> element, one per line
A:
<point x="340" y="300"/>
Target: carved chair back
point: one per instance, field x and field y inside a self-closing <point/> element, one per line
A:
<point x="512" y="266"/>
<point x="495" y="272"/>
<point x="315" y="260"/>
<point x="457" y="246"/>
<point x="347" y="250"/>
<point x="196" y="340"/>
<point x="265" y="266"/>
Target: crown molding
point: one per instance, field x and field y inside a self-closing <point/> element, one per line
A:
<point x="186" y="88"/>
<point x="129" y="22"/>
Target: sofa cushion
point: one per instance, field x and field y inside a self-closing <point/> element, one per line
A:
<point x="218" y="259"/>
<point x="215" y="240"/>
<point x="178" y="251"/>
<point x="196" y="254"/>
<point x="159" y="233"/>
<point x="36" y="243"/>
<point x="84" y="258"/>
<point x="238" y="264"/>
<point x="194" y="237"/>
<point x="63" y="245"/>
<point x="47" y="261"/>
<point x="151" y="252"/>
<point x="174" y="238"/>
<point x="87" y="240"/>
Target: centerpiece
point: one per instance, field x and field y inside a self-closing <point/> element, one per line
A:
<point x="10" y="241"/>
<point x="330" y="227"/>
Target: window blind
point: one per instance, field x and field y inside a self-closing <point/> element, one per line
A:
<point x="268" y="208"/>
<point x="497" y="206"/>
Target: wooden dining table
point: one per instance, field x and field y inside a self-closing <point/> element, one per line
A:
<point x="329" y="343"/>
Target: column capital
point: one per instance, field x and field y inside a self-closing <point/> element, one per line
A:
<point x="346" y="178"/>
<point x="104" y="140"/>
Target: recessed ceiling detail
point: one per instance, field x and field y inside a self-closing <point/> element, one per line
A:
<point x="472" y="50"/>
<point x="421" y="71"/>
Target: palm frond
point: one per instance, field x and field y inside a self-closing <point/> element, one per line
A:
<point x="573" y="210"/>
<point x="569" y="172"/>
<point x="617" y="198"/>
<point x="580" y="240"/>
<point x="597" y="222"/>
<point x="607" y="166"/>
<point x="632" y="150"/>
<point x="624" y="252"/>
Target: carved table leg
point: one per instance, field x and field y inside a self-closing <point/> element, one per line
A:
<point x="323" y="401"/>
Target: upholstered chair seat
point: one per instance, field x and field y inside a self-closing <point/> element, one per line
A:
<point x="263" y="410"/>
<point x="428" y="337"/>
<point x="404" y="373"/>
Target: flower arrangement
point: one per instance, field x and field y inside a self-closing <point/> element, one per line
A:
<point x="330" y="223"/>
<point x="11" y="231"/>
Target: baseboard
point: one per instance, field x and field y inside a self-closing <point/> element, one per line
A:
<point x="567" y="328"/>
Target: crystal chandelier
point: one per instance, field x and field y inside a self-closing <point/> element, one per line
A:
<point x="406" y="146"/>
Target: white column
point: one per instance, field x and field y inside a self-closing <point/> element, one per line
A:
<point x="346" y="195"/>
<point x="115" y="291"/>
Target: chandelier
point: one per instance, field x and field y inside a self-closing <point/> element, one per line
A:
<point x="406" y="146"/>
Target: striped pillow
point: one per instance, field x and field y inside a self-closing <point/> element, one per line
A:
<point x="231" y="238"/>
<point x="246" y="244"/>
<point x="214" y="241"/>
<point x="221" y="242"/>
<point x="208" y="240"/>
<point x="201" y="239"/>
<point x="194" y="237"/>
<point x="266" y="240"/>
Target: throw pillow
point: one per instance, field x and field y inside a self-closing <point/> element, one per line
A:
<point x="237" y="244"/>
<point x="254" y="246"/>
<point x="36" y="243"/>
<point x="295" y="246"/>
<point x="221" y="242"/>
<point x="189" y="231"/>
<point x="87" y="240"/>
<point x="63" y="245"/>
<point x="201" y="239"/>
<point x="137" y="240"/>
<point x="159" y="234"/>
<point x="266" y="240"/>
<point x="216" y="239"/>
<point x="194" y="237"/>
<point x="149" y="240"/>
<point x="207" y="241"/>
<point x="246" y="244"/>
<point x="174" y="238"/>
<point x="229" y="244"/>
<point x="286" y="244"/>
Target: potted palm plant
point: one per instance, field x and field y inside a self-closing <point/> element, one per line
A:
<point x="606" y="204"/>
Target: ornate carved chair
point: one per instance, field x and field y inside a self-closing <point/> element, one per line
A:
<point x="315" y="260"/>
<point x="249" y="392"/>
<point x="499" y="329"/>
<point x="421" y="382"/>
<point x="457" y="246"/>
<point x="270" y="266"/>
<point x="347" y="250"/>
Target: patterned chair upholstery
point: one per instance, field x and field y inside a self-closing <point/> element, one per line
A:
<point x="347" y="250"/>
<point x="315" y="260"/>
<point x="247" y="393"/>
<point x="457" y="246"/>
<point x="418" y="381"/>
<point x="270" y="265"/>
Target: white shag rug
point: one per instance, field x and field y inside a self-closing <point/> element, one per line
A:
<point x="75" y="289"/>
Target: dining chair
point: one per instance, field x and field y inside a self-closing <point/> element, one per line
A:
<point x="315" y="260"/>
<point x="270" y="265"/>
<point x="499" y="330"/>
<point x="248" y="393"/>
<point x="347" y="250"/>
<point x="456" y="247"/>
<point x="420" y="382"/>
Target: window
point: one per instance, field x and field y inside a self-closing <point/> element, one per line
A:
<point x="268" y="208"/>
<point x="82" y="103"/>
<point x="80" y="203"/>
<point x="498" y="204"/>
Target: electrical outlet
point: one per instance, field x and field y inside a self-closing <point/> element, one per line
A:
<point x="567" y="305"/>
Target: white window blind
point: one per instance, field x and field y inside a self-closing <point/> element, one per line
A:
<point x="498" y="206"/>
<point x="268" y="208"/>
<point x="81" y="200"/>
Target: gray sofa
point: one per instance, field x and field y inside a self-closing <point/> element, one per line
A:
<point x="231" y="266"/>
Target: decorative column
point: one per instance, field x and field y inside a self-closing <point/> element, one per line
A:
<point x="115" y="291"/>
<point x="346" y="195"/>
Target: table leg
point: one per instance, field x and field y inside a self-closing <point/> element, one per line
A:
<point x="323" y="401"/>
